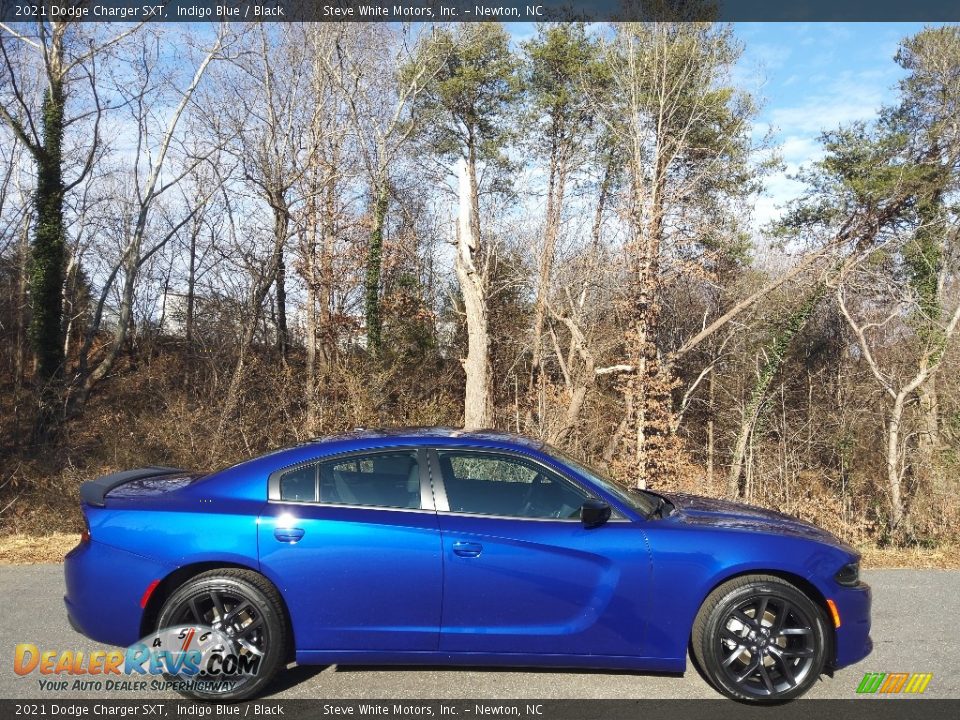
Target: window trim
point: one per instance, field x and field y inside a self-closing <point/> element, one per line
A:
<point x="440" y="491"/>
<point x="426" y="493"/>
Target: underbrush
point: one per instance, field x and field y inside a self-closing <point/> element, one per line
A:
<point x="167" y="409"/>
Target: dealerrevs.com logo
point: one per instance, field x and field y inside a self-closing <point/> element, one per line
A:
<point x="181" y="658"/>
<point x="894" y="683"/>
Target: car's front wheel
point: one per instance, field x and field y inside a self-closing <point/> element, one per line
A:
<point x="759" y="638"/>
<point x="247" y="641"/>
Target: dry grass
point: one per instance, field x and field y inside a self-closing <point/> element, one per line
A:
<point x="945" y="557"/>
<point x="19" y="549"/>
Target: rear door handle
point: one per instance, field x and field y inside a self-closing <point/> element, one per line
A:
<point x="467" y="549"/>
<point x="288" y="535"/>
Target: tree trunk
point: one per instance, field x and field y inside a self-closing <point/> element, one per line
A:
<point x="71" y="278"/>
<point x="776" y="353"/>
<point x="649" y="384"/>
<point x="928" y="439"/>
<point x="605" y="185"/>
<point x="326" y="282"/>
<point x="49" y="247"/>
<point x="309" y="250"/>
<point x="283" y="335"/>
<point x="478" y="396"/>
<point x="578" y="383"/>
<point x="894" y="462"/>
<point x="103" y="368"/>
<point x="710" y="431"/>
<point x="739" y="454"/>
<point x="23" y="282"/>
<point x="258" y="296"/>
<point x="310" y="379"/>
<point x="374" y="264"/>
<point x="191" y="285"/>
<point x="556" y="188"/>
<point x="281" y="223"/>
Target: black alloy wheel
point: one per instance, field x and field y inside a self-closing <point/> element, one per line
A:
<point x="247" y="612"/>
<point x="760" y="639"/>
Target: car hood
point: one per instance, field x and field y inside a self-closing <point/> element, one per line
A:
<point x="702" y="511"/>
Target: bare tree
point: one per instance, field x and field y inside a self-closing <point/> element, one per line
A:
<point x="319" y="221"/>
<point x="561" y="61"/>
<point x="148" y="186"/>
<point x="682" y="129"/>
<point x="380" y="72"/>
<point x="67" y="56"/>
<point x="270" y="113"/>
<point x="900" y="378"/>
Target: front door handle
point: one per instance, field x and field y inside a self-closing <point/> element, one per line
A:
<point x="467" y="549"/>
<point x="288" y="535"/>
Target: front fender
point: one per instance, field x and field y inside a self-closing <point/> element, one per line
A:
<point x="689" y="563"/>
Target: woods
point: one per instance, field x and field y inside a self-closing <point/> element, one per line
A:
<point x="219" y="240"/>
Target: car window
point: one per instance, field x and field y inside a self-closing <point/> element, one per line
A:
<point x="299" y="485"/>
<point x="492" y="484"/>
<point x="390" y="479"/>
<point x="639" y="500"/>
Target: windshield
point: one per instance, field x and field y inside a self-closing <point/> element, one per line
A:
<point x="640" y="501"/>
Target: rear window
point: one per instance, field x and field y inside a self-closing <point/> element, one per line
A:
<point x="383" y="479"/>
<point x="299" y="485"/>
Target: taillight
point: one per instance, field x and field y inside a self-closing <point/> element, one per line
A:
<point x="85" y="533"/>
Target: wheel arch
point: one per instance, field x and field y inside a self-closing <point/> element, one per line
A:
<point x="176" y="579"/>
<point x="802" y="584"/>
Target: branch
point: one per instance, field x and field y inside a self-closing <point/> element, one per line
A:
<point x="94" y="50"/>
<point x="32" y="43"/>
<point x="18" y="130"/>
<point x="32" y="144"/>
<point x="864" y="345"/>
<point x="685" y="402"/>
<point x="95" y="142"/>
<point x="613" y="369"/>
<point x="559" y="353"/>
<point x="745" y="304"/>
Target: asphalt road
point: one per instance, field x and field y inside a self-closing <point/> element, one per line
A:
<point x="914" y="630"/>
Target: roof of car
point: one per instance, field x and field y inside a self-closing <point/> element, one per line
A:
<point x="362" y="439"/>
<point x="365" y="433"/>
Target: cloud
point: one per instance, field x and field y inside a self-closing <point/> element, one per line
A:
<point x="821" y="102"/>
<point x="846" y="98"/>
<point x="819" y="76"/>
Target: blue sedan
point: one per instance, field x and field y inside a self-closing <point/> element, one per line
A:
<point x="441" y="546"/>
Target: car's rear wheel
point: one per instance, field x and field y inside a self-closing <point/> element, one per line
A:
<point x="246" y="611"/>
<point x="759" y="638"/>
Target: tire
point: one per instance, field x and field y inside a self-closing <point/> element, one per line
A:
<point x="759" y="639"/>
<point x="259" y="624"/>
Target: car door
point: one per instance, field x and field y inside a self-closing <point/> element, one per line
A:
<point x="521" y="573"/>
<point x="353" y="543"/>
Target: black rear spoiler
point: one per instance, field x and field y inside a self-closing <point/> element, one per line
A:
<point x="93" y="492"/>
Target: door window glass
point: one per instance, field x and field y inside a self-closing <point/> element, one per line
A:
<point x="378" y="480"/>
<point x="494" y="484"/>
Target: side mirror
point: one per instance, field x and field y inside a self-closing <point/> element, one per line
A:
<point x="594" y="513"/>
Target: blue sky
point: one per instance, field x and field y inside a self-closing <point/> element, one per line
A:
<point x="812" y="77"/>
<point x="809" y="77"/>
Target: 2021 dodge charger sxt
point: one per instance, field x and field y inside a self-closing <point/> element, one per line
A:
<point x="439" y="546"/>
